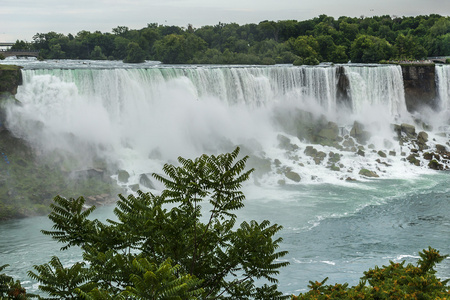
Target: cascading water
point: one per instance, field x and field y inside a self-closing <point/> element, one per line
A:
<point x="443" y="83"/>
<point x="377" y="87"/>
<point x="139" y="118"/>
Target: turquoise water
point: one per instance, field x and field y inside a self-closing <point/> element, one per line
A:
<point x="329" y="230"/>
<point x="332" y="228"/>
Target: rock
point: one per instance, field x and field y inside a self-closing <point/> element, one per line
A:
<point x="361" y="152"/>
<point x="310" y="151"/>
<point x="441" y="148"/>
<point x="435" y="165"/>
<point x="281" y="182"/>
<point x="285" y="143"/>
<point x="422" y="137"/>
<point x="392" y="153"/>
<point x="123" y="176"/>
<point x="382" y="154"/>
<point x="328" y="134"/>
<point x="359" y="133"/>
<point x="409" y="130"/>
<point x="320" y="156"/>
<point x="293" y="176"/>
<point x="333" y="167"/>
<point x="145" y="181"/>
<point x="134" y="187"/>
<point x="277" y="162"/>
<point x="412" y="158"/>
<point x="383" y="163"/>
<point x="348" y="143"/>
<point x="261" y="165"/>
<point x="334" y="157"/>
<point x="368" y="173"/>
<point x="428" y="156"/>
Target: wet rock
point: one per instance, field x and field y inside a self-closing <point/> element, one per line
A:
<point x="261" y="165"/>
<point x="334" y="157"/>
<point x="277" y="162"/>
<point x="383" y="163"/>
<point x="392" y="153"/>
<point x="320" y="156"/>
<point x="412" y="158"/>
<point x="428" y="156"/>
<point x="123" y="176"/>
<point x="134" y="187"/>
<point x="282" y="182"/>
<point x="285" y="143"/>
<point x="368" y="173"/>
<point x="422" y="137"/>
<point x="441" y="148"/>
<point x="359" y="133"/>
<point x="145" y="181"/>
<point x="361" y="152"/>
<point x="310" y="151"/>
<point x="409" y="130"/>
<point x="328" y="134"/>
<point x="293" y="176"/>
<point x="435" y="165"/>
<point x="333" y="167"/>
<point x="382" y="154"/>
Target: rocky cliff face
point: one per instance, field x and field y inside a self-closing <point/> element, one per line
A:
<point x="10" y="79"/>
<point x="420" y="86"/>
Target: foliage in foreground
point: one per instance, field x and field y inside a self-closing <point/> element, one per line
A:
<point x="159" y="248"/>
<point x="394" y="281"/>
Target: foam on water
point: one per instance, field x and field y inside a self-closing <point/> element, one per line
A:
<point x="137" y="119"/>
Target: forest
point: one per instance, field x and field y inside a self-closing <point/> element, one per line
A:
<point x="308" y="42"/>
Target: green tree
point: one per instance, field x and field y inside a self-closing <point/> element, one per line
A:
<point x="134" y="53"/>
<point x="370" y="49"/>
<point x="395" y="281"/>
<point x="212" y="259"/>
<point x="97" y="53"/>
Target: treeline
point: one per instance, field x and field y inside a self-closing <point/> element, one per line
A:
<point x="321" y="39"/>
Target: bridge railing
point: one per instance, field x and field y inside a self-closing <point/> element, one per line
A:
<point x="18" y="50"/>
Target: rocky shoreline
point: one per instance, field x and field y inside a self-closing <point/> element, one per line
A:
<point x="325" y="144"/>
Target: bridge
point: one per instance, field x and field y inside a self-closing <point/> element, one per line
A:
<point x="18" y="53"/>
<point x="439" y="59"/>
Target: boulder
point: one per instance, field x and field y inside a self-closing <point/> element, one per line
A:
<point x="359" y="133"/>
<point x="310" y="151"/>
<point x="435" y="165"/>
<point x="368" y="173"/>
<point x="441" y="148"/>
<point x="293" y="176"/>
<point x="409" y="130"/>
<point x="382" y="154"/>
<point x="328" y="134"/>
<point x="145" y="181"/>
<point x="123" y="176"/>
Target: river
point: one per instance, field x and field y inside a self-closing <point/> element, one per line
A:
<point x="137" y="117"/>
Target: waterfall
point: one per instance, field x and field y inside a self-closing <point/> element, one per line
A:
<point x="374" y="87"/>
<point x="139" y="118"/>
<point x="443" y="83"/>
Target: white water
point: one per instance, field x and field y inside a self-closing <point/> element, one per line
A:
<point x="138" y="119"/>
<point x="443" y="83"/>
<point x="127" y="116"/>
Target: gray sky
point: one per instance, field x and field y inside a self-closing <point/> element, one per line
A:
<point x="21" y="19"/>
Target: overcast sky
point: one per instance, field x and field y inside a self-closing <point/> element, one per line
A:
<point x="21" y="19"/>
